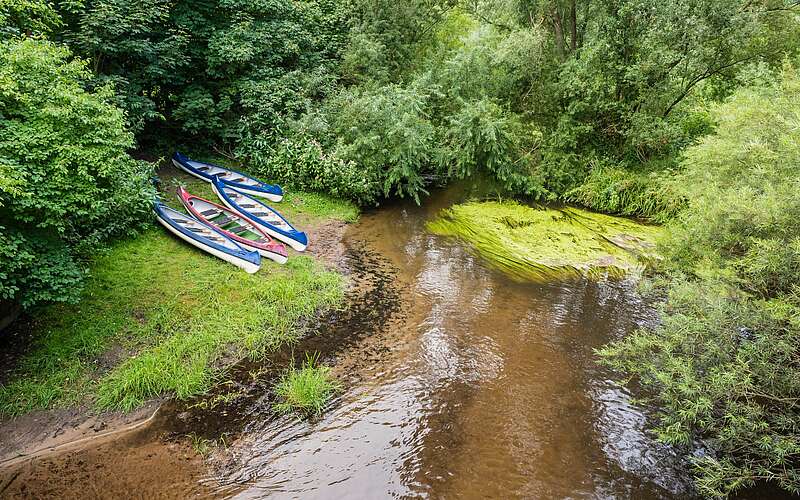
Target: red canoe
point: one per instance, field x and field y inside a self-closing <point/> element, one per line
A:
<point x="233" y="225"/>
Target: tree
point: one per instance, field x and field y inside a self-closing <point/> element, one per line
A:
<point x="723" y="365"/>
<point x="67" y="183"/>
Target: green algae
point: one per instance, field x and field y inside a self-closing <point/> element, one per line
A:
<point x="549" y="244"/>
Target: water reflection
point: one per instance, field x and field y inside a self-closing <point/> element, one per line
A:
<point x="479" y="387"/>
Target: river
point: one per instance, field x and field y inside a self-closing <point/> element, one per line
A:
<point x="457" y="382"/>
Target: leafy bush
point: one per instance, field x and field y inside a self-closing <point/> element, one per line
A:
<point x="484" y="136"/>
<point x="71" y="184"/>
<point x="384" y="132"/>
<point x="301" y="163"/>
<point x="724" y="362"/>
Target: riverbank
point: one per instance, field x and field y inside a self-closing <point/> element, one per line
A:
<point x="160" y="319"/>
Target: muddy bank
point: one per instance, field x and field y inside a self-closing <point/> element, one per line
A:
<point x="137" y="465"/>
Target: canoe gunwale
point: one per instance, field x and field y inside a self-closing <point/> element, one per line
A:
<point x="288" y="237"/>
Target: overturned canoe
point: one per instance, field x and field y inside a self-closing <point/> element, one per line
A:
<point x="265" y="216"/>
<point x="205" y="238"/>
<point x="235" y="179"/>
<point x="233" y="225"/>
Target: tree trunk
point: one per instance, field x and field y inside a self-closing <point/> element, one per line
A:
<point x="573" y="27"/>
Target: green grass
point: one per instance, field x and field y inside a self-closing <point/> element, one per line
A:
<point x="544" y="244"/>
<point x="618" y="191"/>
<point x="159" y="317"/>
<point x="305" y="389"/>
<point x="322" y="205"/>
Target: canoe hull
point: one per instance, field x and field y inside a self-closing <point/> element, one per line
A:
<point x="251" y="190"/>
<point x="268" y="228"/>
<point x="242" y="263"/>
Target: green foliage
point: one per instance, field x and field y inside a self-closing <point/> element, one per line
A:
<point x="27" y="17"/>
<point x="301" y="163"/>
<point x="383" y="133"/>
<point x="482" y="136"/>
<point x="157" y="317"/>
<point x="70" y="184"/>
<point x="723" y="363"/>
<point x="305" y="389"/>
<point x="248" y="54"/>
<point x="617" y="190"/>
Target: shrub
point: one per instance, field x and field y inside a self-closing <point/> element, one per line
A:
<point x="72" y="184"/>
<point x="723" y="365"/>
<point x="484" y="136"/>
<point x="302" y="163"/>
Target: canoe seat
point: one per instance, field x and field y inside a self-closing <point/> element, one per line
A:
<point x="223" y="174"/>
<point x="210" y="212"/>
<point x="222" y="221"/>
<point x="238" y="229"/>
<point x="248" y="205"/>
<point x="259" y="214"/>
<point x="237" y="180"/>
<point x="203" y="169"/>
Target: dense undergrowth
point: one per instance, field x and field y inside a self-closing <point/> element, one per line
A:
<point x="677" y="112"/>
<point x="725" y="363"/>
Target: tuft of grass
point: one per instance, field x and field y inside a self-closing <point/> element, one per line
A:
<point x="159" y="317"/>
<point x="619" y="191"/>
<point x="201" y="445"/>
<point x="305" y="389"/>
<point x="545" y="244"/>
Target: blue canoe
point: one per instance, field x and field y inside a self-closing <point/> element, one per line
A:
<point x="238" y="180"/>
<point x="265" y="216"/>
<point x="206" y="238"/>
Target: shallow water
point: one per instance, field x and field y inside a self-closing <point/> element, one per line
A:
<point x="456" y="383"/>
<point x="459" y="383"/>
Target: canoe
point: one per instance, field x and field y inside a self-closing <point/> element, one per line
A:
<point x="233" y="225"/>
<point x="205" y="238"/>
<point x="265" y="216"/>
<point x="234" y="178"/>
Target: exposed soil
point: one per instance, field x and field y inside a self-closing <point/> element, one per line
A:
<point x="138" y="465"/>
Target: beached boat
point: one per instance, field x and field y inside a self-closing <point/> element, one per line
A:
<point x="265" y="216"/>
<point x="206" y="238"/>
<point x="235" y="226"/>
<point x="238" y="180"/>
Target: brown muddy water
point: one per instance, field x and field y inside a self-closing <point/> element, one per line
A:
<point x="456" y="383"/>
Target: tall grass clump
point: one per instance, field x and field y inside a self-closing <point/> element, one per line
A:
<point x="305" y="389"/>
<point x="619" y="191"/>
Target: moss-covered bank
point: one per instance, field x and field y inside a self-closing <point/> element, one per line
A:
<point x="542" y="244"/>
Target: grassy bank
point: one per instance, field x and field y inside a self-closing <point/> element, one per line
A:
<point x="159" y="317"/>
